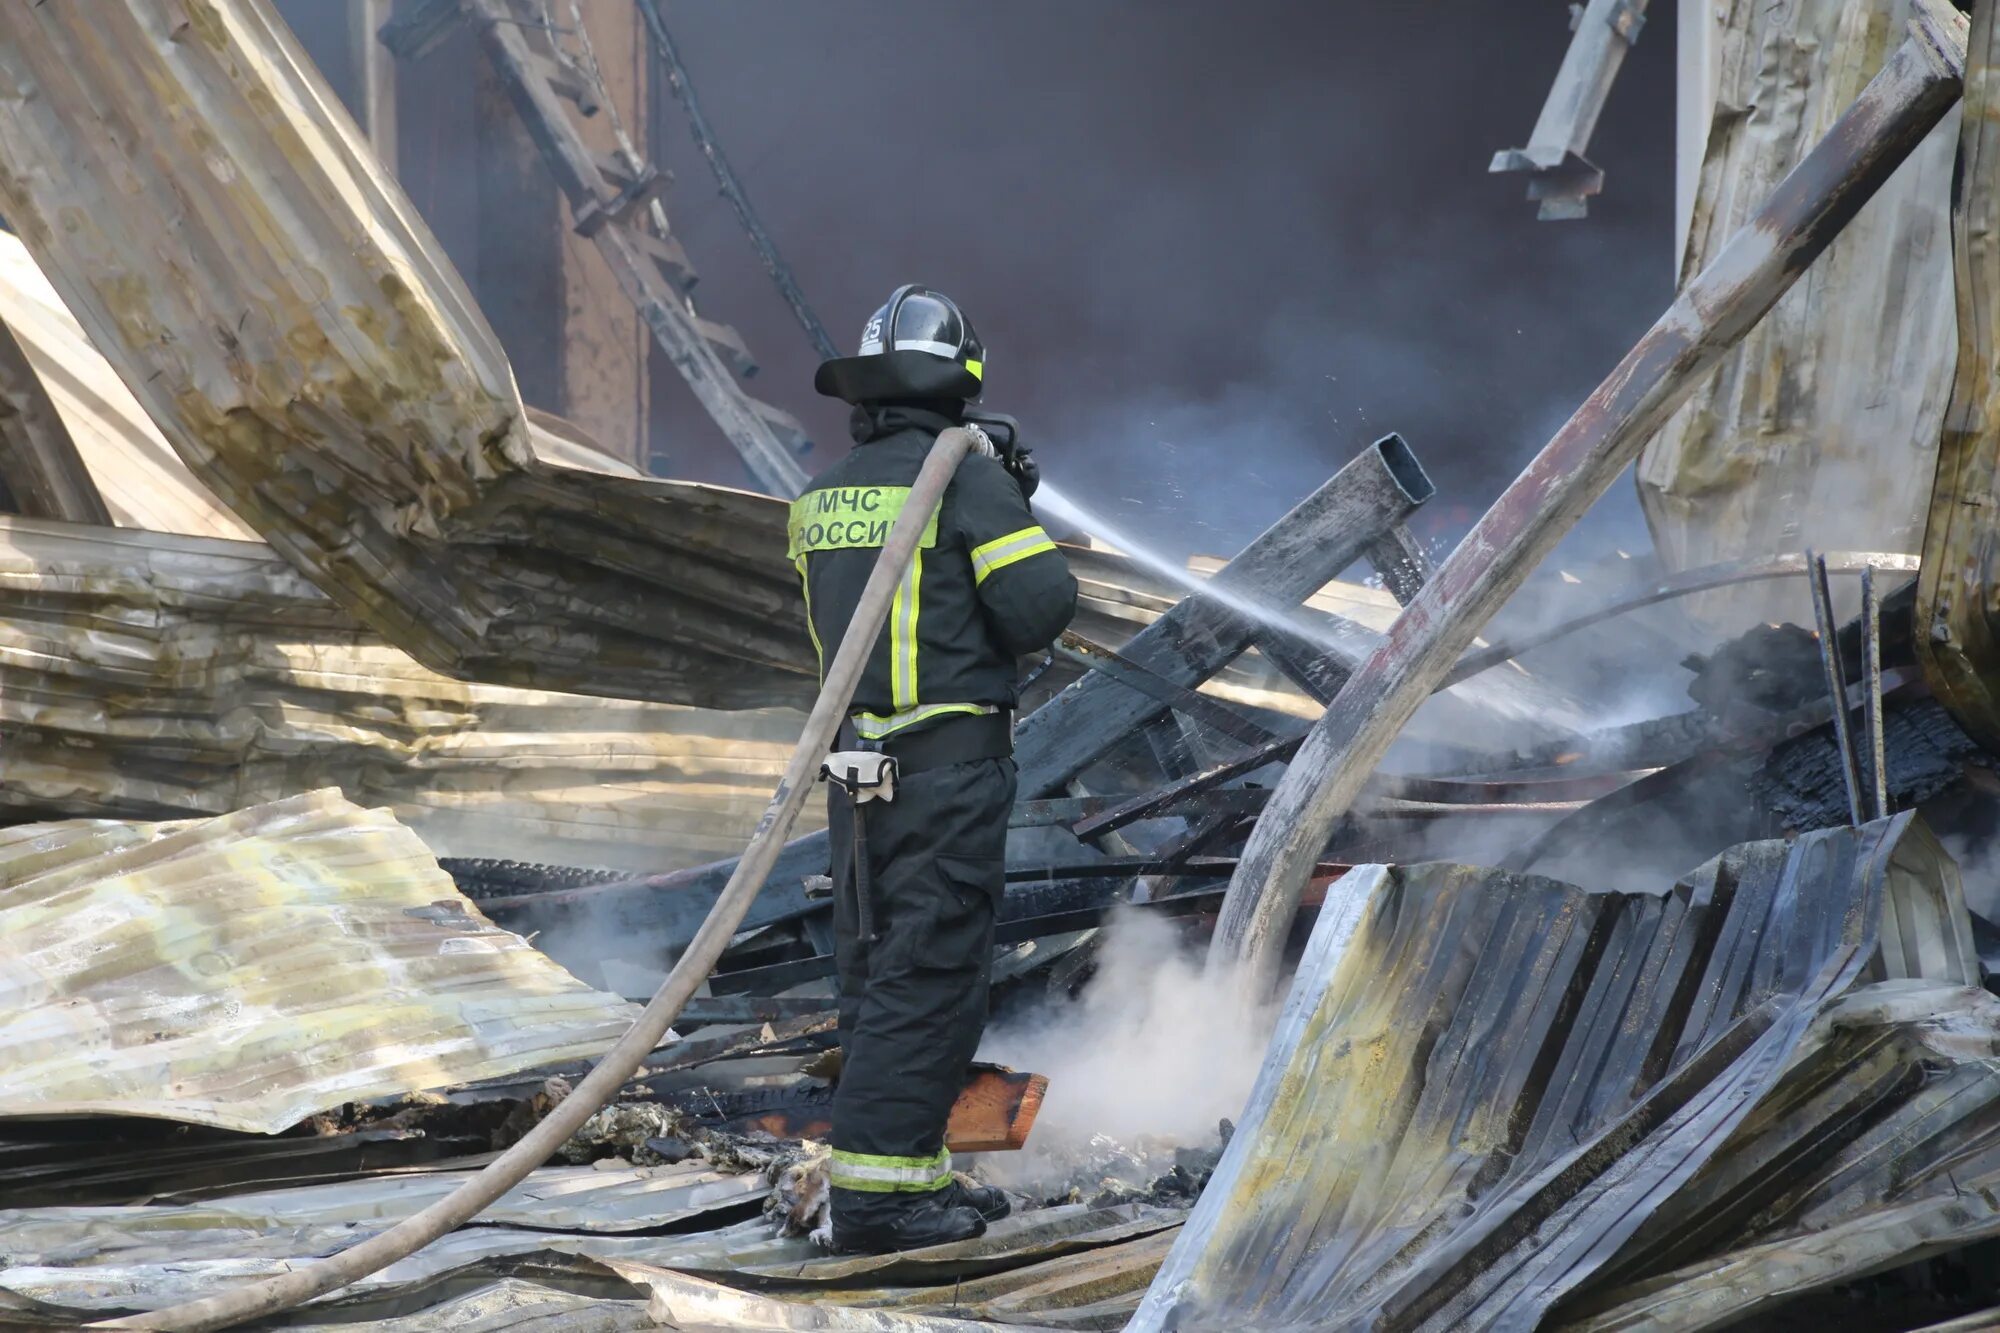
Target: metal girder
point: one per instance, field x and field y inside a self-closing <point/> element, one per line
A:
<point x="1560" y="177"/>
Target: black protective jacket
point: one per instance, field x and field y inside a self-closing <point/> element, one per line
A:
<point x="987" y="586"/>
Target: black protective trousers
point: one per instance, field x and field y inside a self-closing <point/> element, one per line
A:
<point x="913" y="1003"/>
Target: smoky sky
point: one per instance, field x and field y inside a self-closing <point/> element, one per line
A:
<point x="1213" y="248"/>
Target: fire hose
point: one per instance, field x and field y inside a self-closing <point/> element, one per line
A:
<point x="271" y="1295"/>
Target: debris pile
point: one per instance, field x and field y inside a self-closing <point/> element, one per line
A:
<point x="373" y="742"/>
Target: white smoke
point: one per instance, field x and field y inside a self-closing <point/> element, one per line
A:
<point x="1153" y="1054"/>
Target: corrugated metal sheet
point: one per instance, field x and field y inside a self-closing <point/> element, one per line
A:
<point x="144" y="485"/>
<point x="1821" y="428"/>
<point x="1483" y="1083"/>
<point x="1958" y="594"/>
<point x="213" y="219"/>
<point x="85" y="1261"/>
<point x="146" y="676"/>
<point x="1880" y="1147"/>
<point x="250" y="970"/>
<point x="611" y="1200"/>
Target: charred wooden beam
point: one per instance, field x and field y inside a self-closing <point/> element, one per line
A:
<point x="1319" y="669"/>
<point x="1836" y="682"/>
<point x="709" y="1010"/>
<point x="421" y="28"/>
<point x="1190" y="703"/>
<point x="1871" y="697"/>
<point x="1400" y="558"/>
<point x="1915" y="89"/>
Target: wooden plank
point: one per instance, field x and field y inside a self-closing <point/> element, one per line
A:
<point x="1294" y="558"/>
<point x="1209" y="712"/>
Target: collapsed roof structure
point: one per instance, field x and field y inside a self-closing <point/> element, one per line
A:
<point x="282" y="523"/>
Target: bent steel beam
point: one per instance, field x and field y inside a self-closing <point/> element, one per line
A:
<point x="1294" y="558"/>
<point x="1806" y="211"/>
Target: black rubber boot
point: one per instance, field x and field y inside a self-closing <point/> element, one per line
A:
<point x="911" y="1222"/>
<point x="989" y="1202"/>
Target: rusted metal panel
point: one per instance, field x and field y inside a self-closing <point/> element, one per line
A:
<point x="187" y="182"/>
<point x="1819" y="429"/>
<point x="1958" y="595"/>
<point x="250" y="970"/>
<point x="1483" y="1083"/>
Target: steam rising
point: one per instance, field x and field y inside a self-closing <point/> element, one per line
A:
<point x="1153" y="1053"/>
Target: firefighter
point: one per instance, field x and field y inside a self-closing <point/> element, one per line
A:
<point x="914" y="912"/>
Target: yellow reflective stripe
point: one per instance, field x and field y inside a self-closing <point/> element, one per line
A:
<point x="842" y="518"/>
<point x="805" y="583"/>
<point x="978" y="369"/>
<point x="889" y="1175"/>
<point x="874" y="726"/>
<point x="903" y="635"/>
<point x="1004" y="551"/>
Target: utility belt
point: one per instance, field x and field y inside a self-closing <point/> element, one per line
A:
<point x="959" y="739"/>
<point x="870" y="770"/>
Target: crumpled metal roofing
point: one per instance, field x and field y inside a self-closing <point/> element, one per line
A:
<point x="143" y="484"/>
<point x="91" y="1261"/>
<point x="208" y="212"/>
<point x="1483" y="1084"/>
<point x="150" y="676"/>
<point x="1780" y="447"/>
<point x="250" y="970"/>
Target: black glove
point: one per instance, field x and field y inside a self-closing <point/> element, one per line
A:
<point x="1021" y="464"/>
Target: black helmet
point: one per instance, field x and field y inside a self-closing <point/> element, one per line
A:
<point x="918" y="345"/>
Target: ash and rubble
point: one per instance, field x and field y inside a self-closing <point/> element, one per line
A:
<point x="1633" y="993"/>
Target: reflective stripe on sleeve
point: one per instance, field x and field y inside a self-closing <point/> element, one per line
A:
<point x="874" y="726"/>
<point x="1004" y="551"/>
<point x="889" y="1175"/>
